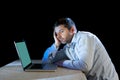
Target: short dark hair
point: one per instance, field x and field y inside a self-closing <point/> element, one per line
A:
<point x="67" y="22"/>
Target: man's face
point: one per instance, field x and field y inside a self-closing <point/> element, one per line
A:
<point x="63" y="34"/>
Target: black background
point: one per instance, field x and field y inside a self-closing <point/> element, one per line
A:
<point x="34" y="25"/>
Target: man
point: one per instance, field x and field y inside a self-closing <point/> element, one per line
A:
<point x="82" y="51"/>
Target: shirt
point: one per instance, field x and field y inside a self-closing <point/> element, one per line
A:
<point x="86" y="53"/>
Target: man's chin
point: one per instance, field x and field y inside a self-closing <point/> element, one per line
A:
<point x="63" y="42"/>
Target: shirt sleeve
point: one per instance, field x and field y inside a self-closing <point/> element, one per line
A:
<point x="48" y="52"/>
<point x="81" y="55"/>
<point x="60" y="55"/>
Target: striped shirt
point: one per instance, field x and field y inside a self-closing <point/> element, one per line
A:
<point x="85" y="53"/>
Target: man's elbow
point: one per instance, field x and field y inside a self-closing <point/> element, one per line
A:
<point x="84" y="67"/>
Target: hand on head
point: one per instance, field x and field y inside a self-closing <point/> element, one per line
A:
<point x="57" y="41"/>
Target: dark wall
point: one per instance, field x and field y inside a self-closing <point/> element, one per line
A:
<point x="36" y="30"/>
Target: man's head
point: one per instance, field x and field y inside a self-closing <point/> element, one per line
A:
<point x="65" y="29"/>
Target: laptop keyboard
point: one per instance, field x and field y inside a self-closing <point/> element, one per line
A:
<point x="35" y="66"/>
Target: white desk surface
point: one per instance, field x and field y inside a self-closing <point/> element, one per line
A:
<point x="14" y="71"/>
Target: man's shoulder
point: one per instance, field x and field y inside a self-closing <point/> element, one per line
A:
<point x="85" y="33"/>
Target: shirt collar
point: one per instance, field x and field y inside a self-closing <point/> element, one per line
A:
<point x="74" y="40"/>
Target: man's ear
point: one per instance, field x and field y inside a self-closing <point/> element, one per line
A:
<point x="73" y="29"/>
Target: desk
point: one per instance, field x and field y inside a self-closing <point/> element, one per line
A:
<point x="14" y="71"/>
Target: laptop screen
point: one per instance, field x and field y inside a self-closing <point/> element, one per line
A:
<point x="23" y="53"/>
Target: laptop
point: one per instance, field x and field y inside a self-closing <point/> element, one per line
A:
<point x="27" y="63"/>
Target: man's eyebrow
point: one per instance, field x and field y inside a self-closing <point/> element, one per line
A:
<point x="60" y="30"/>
